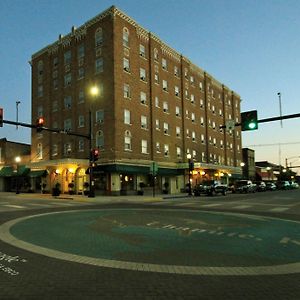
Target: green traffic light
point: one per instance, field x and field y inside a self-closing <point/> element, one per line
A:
<point x="252" y="125"/>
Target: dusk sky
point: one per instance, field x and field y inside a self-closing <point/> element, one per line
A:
<point x="253" y="47"/>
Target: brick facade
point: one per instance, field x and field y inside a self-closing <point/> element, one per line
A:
<point x="172" y="106"/>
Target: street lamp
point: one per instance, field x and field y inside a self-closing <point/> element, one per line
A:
<point x="94" y="92"/>
<point x="17" y="160"/>
<point x="189" y="157"/>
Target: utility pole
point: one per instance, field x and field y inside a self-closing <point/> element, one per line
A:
<point x="17" y="112"/>
<point x="280" y="108"/>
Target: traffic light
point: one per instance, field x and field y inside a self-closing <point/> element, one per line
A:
<point x="1" y="117"/>
<point x="249" y="120"/>
<point x="39" y="124"/>
<point x="95" y="154"/>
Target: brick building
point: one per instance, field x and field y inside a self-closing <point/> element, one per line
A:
<point x="153" y="105"/>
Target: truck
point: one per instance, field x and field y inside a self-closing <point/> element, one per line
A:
<point x="245" y="186"/>
<point x="210" y="188"/>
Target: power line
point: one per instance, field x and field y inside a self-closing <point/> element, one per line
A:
<point x="273" y="144"/>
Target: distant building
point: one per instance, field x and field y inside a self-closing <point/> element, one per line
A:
<point x="248" y="167"/>
<point x="152" y="105"/>
<point x="267" y="171"/>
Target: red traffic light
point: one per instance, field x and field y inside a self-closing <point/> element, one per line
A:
<point x="95" y="154"/>
<point x="39" y="124"/>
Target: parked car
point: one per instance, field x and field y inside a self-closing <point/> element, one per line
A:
<point x="294" y="185"/>
<point x="261" y="186"/>
<point x="245" y="186"/>
<point x="210" y="188"/>
<point x="271" y="186"/>
<point x="283" y="185"/>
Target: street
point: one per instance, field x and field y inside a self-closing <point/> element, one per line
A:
<point x="139" y="247"/>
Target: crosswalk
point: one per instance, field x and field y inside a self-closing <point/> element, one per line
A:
<point x="6" y="206"/>
<point x="226" y="206"/>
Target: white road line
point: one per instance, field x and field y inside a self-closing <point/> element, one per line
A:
<point x="279" y="209"/>
<point x="62" y="204"/>
<point x="38" y="204"/>
<point x="212" y="205"/>
<point x="184" y="203"/>
<point x="14" y="206"/>
<point x="242" y="206"/>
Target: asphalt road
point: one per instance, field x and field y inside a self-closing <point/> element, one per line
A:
<point x="233" y="247"/>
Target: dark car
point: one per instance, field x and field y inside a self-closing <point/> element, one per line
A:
<point x="245" y="186"/>
<point x="261" y="186"/>
<point x="271" y="186"/>
<point x="210" y="188"/>
<point x="283" y="185"/>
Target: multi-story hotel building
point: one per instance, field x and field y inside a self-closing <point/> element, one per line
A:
<point x="153" y="105"/>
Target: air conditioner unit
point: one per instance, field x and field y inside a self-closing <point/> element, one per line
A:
<point x="166" y="153"/>
<point x="143" y="101"/>
<point x="126" y="69"/>
<point x="166" y="131"/>
<point x="165" y="89"/>
<point x="143" y="78"/>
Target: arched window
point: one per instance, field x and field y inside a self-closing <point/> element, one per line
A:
<point x="98" y="37"/>
<point x="125" y="37"/>
<point x="127" y="141"/>
<point x="99" y="139"/>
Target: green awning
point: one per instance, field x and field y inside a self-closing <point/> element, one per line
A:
<point x="37" y="173"/>
<point x="6" y="172"/>
<point x="10" y="172"/>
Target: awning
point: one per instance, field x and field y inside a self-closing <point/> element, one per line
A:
<point x="37" y="173"/>
<point x="6" y="172"/>
<point x="10" y="172"/>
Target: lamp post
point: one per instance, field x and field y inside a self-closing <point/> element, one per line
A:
<point x="94" y="92"/>
<point x="17" y="112"/>
<point x="189" y="157"/>
<point x="280" y="108"/>
<point x="17" y="160"/>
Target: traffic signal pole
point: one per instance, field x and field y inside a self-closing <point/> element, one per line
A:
<point x="271" y="119"/>
<point x="91" y="190"/>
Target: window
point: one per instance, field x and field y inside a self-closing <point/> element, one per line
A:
<point x="55" y="84"/>
<point x="54" y="106"/>
<point x="39" y="151"/>
<point x="81" y="145"/>
<point x="40" y="68"/>
<point x="157" y="146"/>
<point x="215" y="142"/>
<point x="186" y="93"/>
<point x="186" y="73"/>
<point x="202" y="139"/>
<point x="67" y="57"/>
<point x="178" y="151"/>
<point x="156" y="78"/>
<point x="142" y="50"/>
<point x="99" y="139"/>
<point x="98" y="37"/>
<point x="166" y="128"/>
<point x="202" y="121"/>
<point x="213" y="109"/>
<point x="220" y="112"/>
<point x="144" y="147"/>
<point x="164" y="63"/>
<point x="142" y="74"/>
<point x="201" y="103"/>
<point x="81" y="121"/>
<point x="40" y="111"/>
<point x="165" y="107"/>
<point x="194" y="154"/>
<point x="80" y="73"/>
<point x="67" y="149"/>
<point x="55" y="62"/>
<point x="166" y="150"/>
<point x="156" y="102"/>
<point x="80" y="51"/>
<point x="192" y="98"/>
<point x="126" y="65"/>
<point x="165" y="85"/>
<point x="192" y="79"/>
<point x="81" y="96"/>
<point x="99" y="65"/>
<point x="126" y="116"/>
<point x="188" y="133"/>
<point x="54" y="150"/>
<point x="155" y="54"/>
<point x="187" y="114"/>
<point x="157" y="127"/>
<point x="68" y="79"/>
<point x="40" y="91"/>
<point x="126" y="89"/>
<point x="193" y="136"/>
<point x="127" y="141"/>
<point x="100" y="116"/>
<point x="143" y="98"/>
<point x="67" y="102"/>
<point x="125" y="37"/>
<point x="221" y="144"/>
<point x="177" y="111"/>
<point x="144" y="122"/>
<point x="178" y="131"/>
<point x="214" y="125"/>
<point x="67" y="124"/>
<point x="193" y="117"/>
<point x="203" y="159"/>
<point x="176" y="72"/>
<point x="176" y="91"/>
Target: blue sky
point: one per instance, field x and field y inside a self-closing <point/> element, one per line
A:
<point x="253" y="47"/>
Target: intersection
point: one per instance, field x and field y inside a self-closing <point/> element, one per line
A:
<point x="148" y="241"/>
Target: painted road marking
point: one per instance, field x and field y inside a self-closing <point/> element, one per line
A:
<point x="184" y="203"/>
<point x="14" y="206"/>
<point x="279" y="209"/>
<point x="38" y="204"/>
<point x="285" y="240"/>
<point x="242" y="206"/>
<point x="62" y="204"/>
<point x="212" y="205"/>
